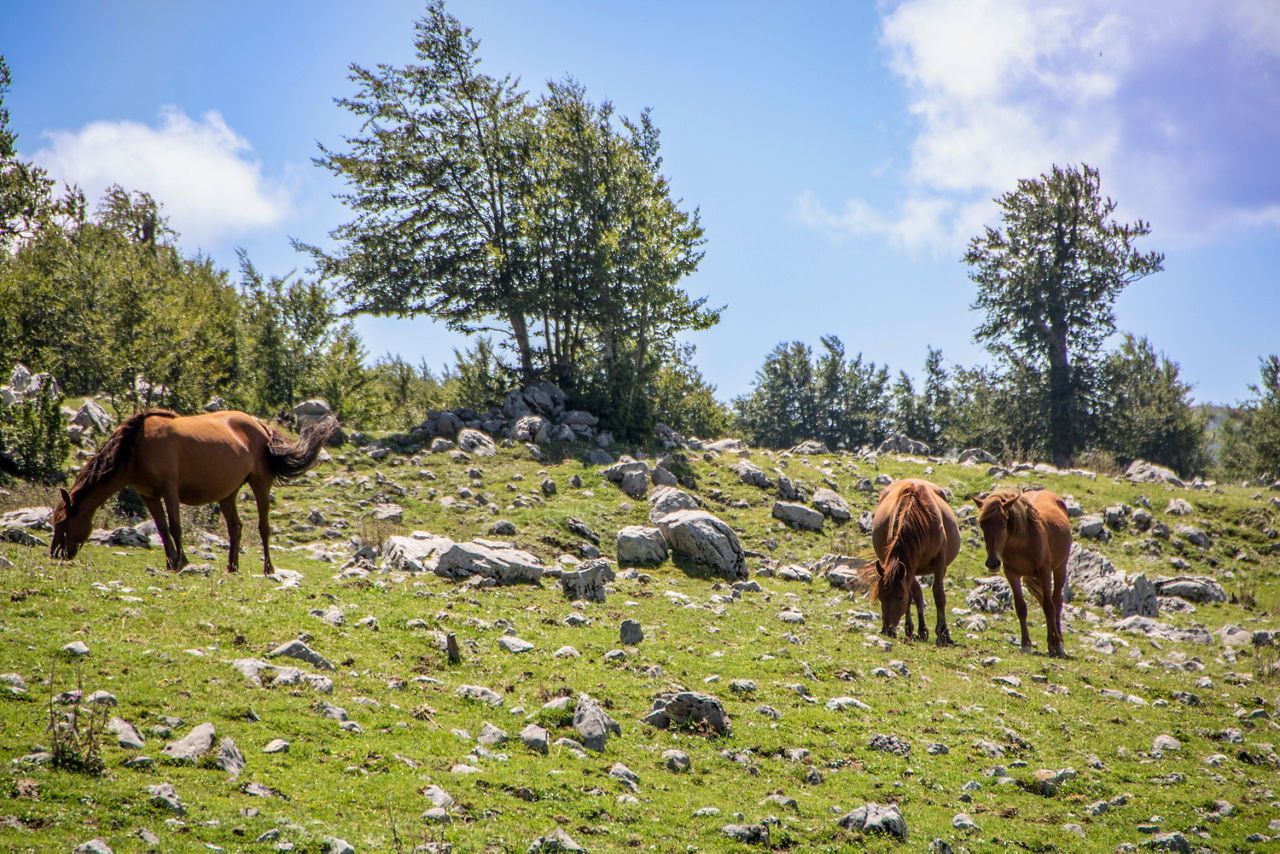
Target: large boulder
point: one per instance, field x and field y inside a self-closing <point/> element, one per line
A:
<point x="829" y="503"/>
<point x="309" y="412"/>
<point x="1141" y="471"/>
<point x="900" y="444"/>
<point x="992" y="595"/>
<point x="499" y="561"/>
<point x="809" y="447"/>
<point x="666" y="500"/>
<point x="1098" y="581"/>
<point x="637" y="544"/>
<point x="976" y="456"/>
<point x="1193" y="588"/>
<point x="706" y="540"/>
<point x="476" y="443"/>
<point x="797" y="516"/>
<point x="419" y="552"/>
<point x="532" y="428"/>
<point x="750" y="473"/>
<point x="93" y="417"/>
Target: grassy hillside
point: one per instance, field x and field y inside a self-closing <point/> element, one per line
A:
<point x="162" y="645"/>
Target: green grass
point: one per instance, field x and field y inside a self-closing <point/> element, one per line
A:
<point x="366" y="788"/>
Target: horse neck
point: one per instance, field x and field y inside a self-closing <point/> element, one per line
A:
<point x="93" y="495"/>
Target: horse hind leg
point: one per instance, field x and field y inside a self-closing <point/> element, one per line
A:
<point x="940" y="605"/>
<point x="262" y="495"/>
<point x="1053" y="617"/>
<point x="234" y="528"/>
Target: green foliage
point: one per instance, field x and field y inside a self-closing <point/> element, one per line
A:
<point x="1047" y="284"/>
<point x="102" y="302"/>
<point x="404" y="393"/>
<point x="1148" y="412"/>
<point x="474" y="206"/>
<point x="1250" y="436"/>
<point x="26" y="200"/>
<point x="684" y="401"/>
<point x="33" y="437"/>
<point x="75" y="735"/>
<point x="844" y="403"/>
<point x="479" y="379"/>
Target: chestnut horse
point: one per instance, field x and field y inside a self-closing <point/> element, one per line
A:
<point x="172" y="459"/>
<point x="914" y="533"/>
<point x="1029" y="534"/>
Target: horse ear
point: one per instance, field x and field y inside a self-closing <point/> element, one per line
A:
<point x="879" y="569"/>
<point x="976" y="500"/>
<point x="66" y="496"/>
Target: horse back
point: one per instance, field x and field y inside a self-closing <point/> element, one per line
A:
<point x="941" y="519"/>
<point x="1055" y="523"/>
<point x="209" y="456"/>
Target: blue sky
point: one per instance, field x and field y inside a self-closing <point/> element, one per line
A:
<point x="841" y="153"/>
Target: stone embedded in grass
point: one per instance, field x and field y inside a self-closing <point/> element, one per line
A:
<point x="76" y="649"/>
<point x="797" y="516"/>
<point x="841" y="704"/>
<point x="97" y="845"/>
<point x="630" y="633"/>
<point x="190" y="749"/>
<point x="557" y="841"/>
<point x="748" y="834"/>
<point x="593" y="724"/>
<point x="15" y="682"/>
<point x="588" y="580"/>
<point x="688" y="708"/>
<point x="438" y="797"/>
<point x="229" y="758"/>
<point x="675" y="760"/>
<point x="299" y="650"/>
<point x="1164" y="742"/>
<point x="334" y="845"/>
<point x="706" y="540"/>
<point x="534" y="737"/>
<point x="962" y="822"/>
<point x="477" y="692"/>
<point x="492" y="736"/>
<point x="875" y="818"/>
<point x="126" y="735"/>
<point x="166" y="797"/>
<point x="890" y="744"/>
<point x="276" y="745"/>
<point x="513" y="644"/>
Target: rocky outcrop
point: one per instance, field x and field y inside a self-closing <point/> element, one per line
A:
<point x="706" y="540"/>
<point x="1096" y="580"/>
<point x="501" y="562"/>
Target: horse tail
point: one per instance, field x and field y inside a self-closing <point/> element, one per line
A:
<point x="904" y="542"/>
<point x="288" y="459"/>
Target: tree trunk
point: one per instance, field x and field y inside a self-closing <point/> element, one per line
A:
<point x="1062" y="408"/>
<point x="520" y="331"/>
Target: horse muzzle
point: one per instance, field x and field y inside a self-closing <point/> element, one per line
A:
<point x="993" y="563"/>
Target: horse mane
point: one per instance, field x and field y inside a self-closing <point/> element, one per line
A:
<point x="911" y="523"/>
<point x="1022" y="516"/>
<point x="117" y="450"/>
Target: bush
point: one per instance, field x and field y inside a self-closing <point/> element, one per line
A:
<point x="33" y="437"/>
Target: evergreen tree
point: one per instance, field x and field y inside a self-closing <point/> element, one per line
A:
<point x="1047" y="283"/>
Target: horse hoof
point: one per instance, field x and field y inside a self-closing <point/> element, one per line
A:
<point x="1026" y="649"/>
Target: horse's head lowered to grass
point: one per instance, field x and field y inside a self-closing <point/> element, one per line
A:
<point x="72" y="523"/>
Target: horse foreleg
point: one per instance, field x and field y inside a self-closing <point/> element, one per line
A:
<point x="262" y="495"/>
<point x="232" y="514"/>
<point x="1020" y="606"/>
<point x="918" y="595"/>
<point x="940" y="605"/>
<point x="155" y="506"/>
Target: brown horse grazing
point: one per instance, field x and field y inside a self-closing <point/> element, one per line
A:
<point x="172" y="459"/>
<point x="1029" y="533"/>
<point x="914" y="533"/>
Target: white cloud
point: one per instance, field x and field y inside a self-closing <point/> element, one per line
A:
<point x="201" y="171"/>
<point x="1173" y="100"/>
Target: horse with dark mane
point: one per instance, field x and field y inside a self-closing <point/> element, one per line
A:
<point x="914" y="533"/>
<point x="171" y="460"/>
<point x="1029" y="533"/>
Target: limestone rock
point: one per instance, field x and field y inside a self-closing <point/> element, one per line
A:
<point x="706" y="540"/>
